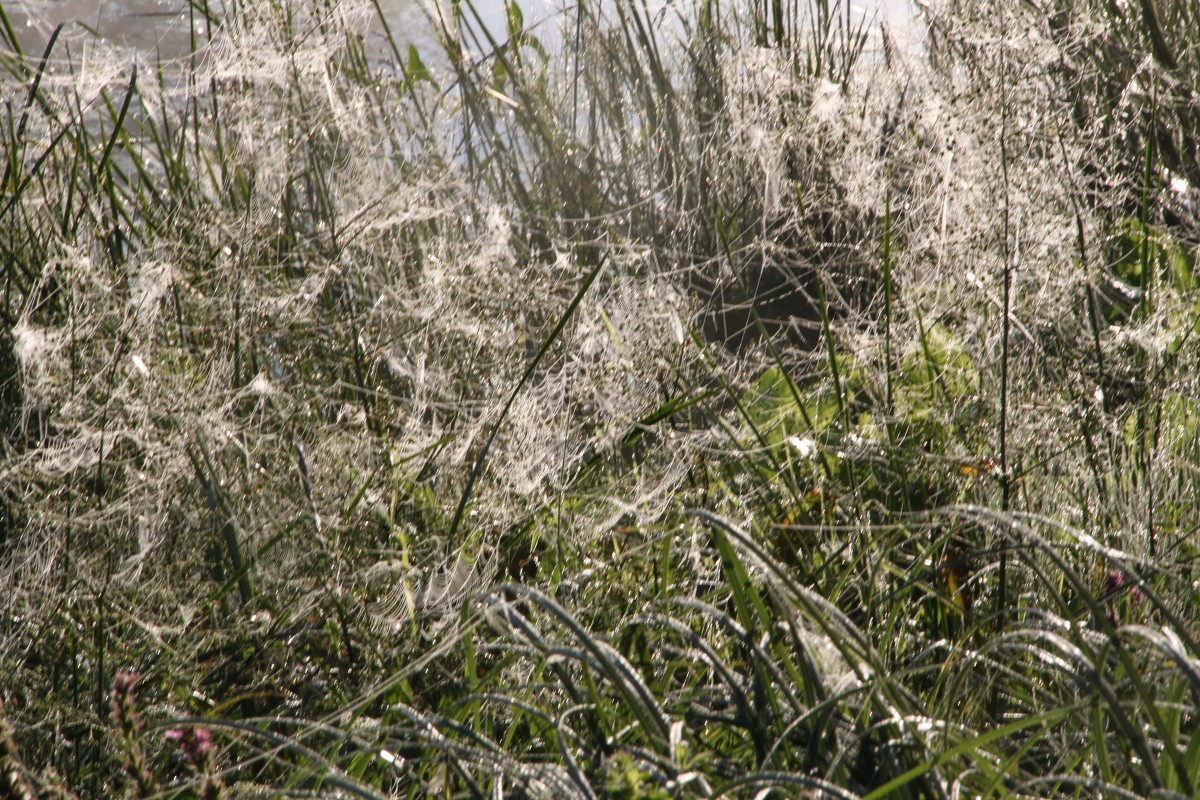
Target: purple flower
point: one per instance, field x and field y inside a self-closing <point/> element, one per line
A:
<point x="195" y="744"/>
<point x="1117" y="580"/>
<point x="123" y="682"/>
<point x="203" y="740"/>
<point x="1114" y="583"/>
<point x="124" y="703"/>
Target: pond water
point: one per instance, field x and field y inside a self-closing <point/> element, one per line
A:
<point x="160" y="28"/>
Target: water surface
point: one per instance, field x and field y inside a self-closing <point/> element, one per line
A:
<point x="161" y="28"/>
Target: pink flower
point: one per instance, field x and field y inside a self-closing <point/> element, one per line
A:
<point x="124" y="702"/>
<point x="1116" y="580"/>
<point x="195" y="744"/>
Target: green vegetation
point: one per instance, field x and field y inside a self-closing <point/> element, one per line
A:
<point x="730" y="404"/>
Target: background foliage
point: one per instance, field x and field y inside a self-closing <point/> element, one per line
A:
<point x="712" y="401"/>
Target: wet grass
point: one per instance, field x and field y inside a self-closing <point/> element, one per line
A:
<point x="707" y="402"/>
